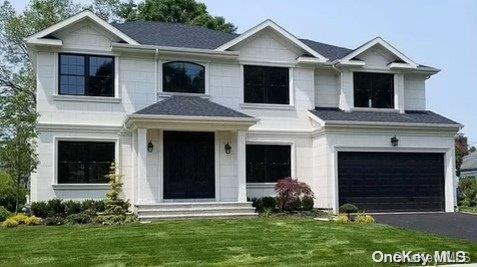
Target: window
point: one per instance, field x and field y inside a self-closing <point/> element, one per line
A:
<point x="266" y="85"/>
<point x="84" y="162"/>
<point x="183" y="77"/>
<point x="373" y="90"/>
<point x="268" y="163"/>
<point x="86" y="75"/>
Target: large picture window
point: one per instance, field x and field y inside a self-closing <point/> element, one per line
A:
<point x="267" y="163"/>
<point x="84" y="162"/>
<point x="266" y="85"/>
<point x="86" y="75"/>
<point x="373" y="90"/>
<point x="183" y="77"/>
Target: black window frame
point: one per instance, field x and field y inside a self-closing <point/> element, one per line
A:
<point x="168" y="90"/>
<point x="267" y="85"/>
<point x="268" y="171"/>
<point x="98" y="169"/>
<point x="372" y="92"/>
<point x="87" y="76"/>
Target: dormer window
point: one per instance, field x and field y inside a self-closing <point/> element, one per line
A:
<point x="183" y="77"/>
<point x="373" y="90"/>
<point x="87" y="75"/>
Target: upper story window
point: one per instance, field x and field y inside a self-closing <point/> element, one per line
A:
<point x="266" y="85"/>
<point x="373" y="90"/>
<point x="84" y="162"/>
<point x="88" y="75"/>
<point x="183" y="77"/>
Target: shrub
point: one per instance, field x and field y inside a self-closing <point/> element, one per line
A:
<point x="348" y="208"/>
<point x="56" y="207"/>
<point x="95" y="205"/>
<point x="72" y="207"/>
<point x="79" y="218"/>
<point x="8" y="192"/>
<point x="342" y="218"/>
<point x="4" y="213"/>
<point x="290" y="194"/>
<point x="263" y="204"/>
<point x="20" y="218"/>
<point x="39" y="209"/>
<point x="54" y="220"/>
<point x="308" y="203"/>
<point x="363" y="218"/>
<point x="468" y="189"/>
<point x="33" y="220"/>
<point x="10" y="223"/>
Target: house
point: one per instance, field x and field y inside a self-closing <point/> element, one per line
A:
<point x="469" y="165"/>
<point x="201" y="121"/>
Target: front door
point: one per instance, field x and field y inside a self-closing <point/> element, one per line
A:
<point x="189" y="169"/>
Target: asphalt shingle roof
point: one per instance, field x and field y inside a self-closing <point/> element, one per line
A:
<point x="182" y="35"/>
<point x="190" y="106"/>
<point x="410" y="116"/>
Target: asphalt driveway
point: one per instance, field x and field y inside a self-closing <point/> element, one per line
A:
<point x="457" y="225"/>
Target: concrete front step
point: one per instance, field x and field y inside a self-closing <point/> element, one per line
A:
<point x="192" y="210"/>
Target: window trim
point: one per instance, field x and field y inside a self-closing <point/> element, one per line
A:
<point x="57" y="66"/>
<point x="56" y="141"/>
<point x="160" y="76"/>
<point x="273" y="142"/>
<point x="291" y="92"/>
<point x="395" y="95"/>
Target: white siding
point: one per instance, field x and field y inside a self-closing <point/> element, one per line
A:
<point x="327" y="88"/>
<point x="377" y="57"/>
<point x="414" y="92"/>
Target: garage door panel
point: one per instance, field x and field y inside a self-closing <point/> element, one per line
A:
<point x="377" y="181"/>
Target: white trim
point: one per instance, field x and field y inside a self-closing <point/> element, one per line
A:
<point x="291" y="143"/>
<point x="69" y="127"/>
<point x="169" y="94"/>
<point x="82" y="15"/>
<point x="217" y="166"/>
<point x="266" y="106"/>
<point x="261" y="185"/>
<point x="57" y="187"/>
<point x="267" y="63"/>
<point x="178" y="118"/>
<point x="373" y="42"/>
<point x="175" y="51"/>
<point x="272" y="25"/>
<point x="58" y="138"/>
<point x="85" y="98"/>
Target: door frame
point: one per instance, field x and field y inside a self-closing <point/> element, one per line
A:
<point x="216" y="166"/>
<point x="449" y="195"/>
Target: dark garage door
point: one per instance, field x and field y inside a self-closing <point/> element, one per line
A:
<point x="384" y="182"/>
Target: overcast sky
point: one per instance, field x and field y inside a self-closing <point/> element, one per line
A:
<point x="441" y="34"/>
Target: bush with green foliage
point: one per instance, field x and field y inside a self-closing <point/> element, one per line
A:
<point x="54" y="220"/>
<point x="264" y="204"/>
<point x="8" y="192"/>
<point x="39" y="209"/>
<point x="4" y="213"/>
<point x="20" y="218"/>
<point x="348" y="208"/>
<point x="290" y="194"/>
<point x="33" y="220"/>
<point x="468" y="189"/>
<point x="117" y="209"/>
<point x="56" y="207"/>
<point x="81" y="218"/>
<point x="307" y="203"/>
<point x="72" y="207"/>
<point x="95" y="205"/>
<point x="8" y="223"/>
<point x="365" y="219"/>
<point x="342" y="218"/>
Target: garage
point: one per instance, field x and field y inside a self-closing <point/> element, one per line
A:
<point x="391" y="182"/>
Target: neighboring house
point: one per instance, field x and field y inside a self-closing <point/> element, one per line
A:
<point x="469" y="165"/>
<point x="193" y="115"/>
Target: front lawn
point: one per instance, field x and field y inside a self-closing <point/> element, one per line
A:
<point x="285" y="241"/>
<point x="469" y="209"/>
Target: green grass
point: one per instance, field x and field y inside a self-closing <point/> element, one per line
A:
<point x="273" y="241"/>
<point x="468" y="209"/>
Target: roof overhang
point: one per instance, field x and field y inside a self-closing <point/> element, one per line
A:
<point x="39" y="37"/>
<point x="269" y="24"/>
<point x="175" y="122"/>
<point x="408" y="63"/>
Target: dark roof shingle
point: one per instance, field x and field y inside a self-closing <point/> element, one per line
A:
<point x="190" y="106"/>
<point x="410" y="116"/>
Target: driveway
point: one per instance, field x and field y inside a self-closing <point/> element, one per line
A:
<point x="457" y="225"/>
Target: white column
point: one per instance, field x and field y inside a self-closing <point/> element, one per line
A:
<point x="134" y="165"/>
<point x="241" y="180"/>
<point x="399" y="92"/>
<point x="346" y="90"/>
<point x="141" y="164"/>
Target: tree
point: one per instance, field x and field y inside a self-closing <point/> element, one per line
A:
<point x="461" y="150"/>
<point x="178" y="11"/>
<point x="472" y="149"/>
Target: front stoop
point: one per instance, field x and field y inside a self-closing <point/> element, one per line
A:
<point x="192" y="210"/>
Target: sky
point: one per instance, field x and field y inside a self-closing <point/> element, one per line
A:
<point x="442" y="34"/>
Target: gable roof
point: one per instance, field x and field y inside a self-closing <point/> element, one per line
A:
<point x="269" y="24"/>
<point x="331" y="115"/>
<point x="190" y="106"/>
<point x="86" y="14"/>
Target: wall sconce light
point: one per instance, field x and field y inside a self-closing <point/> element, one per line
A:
<point x="394" y="141"/>
<point x="150" y="146"/>
<point x="228" y="148"/>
